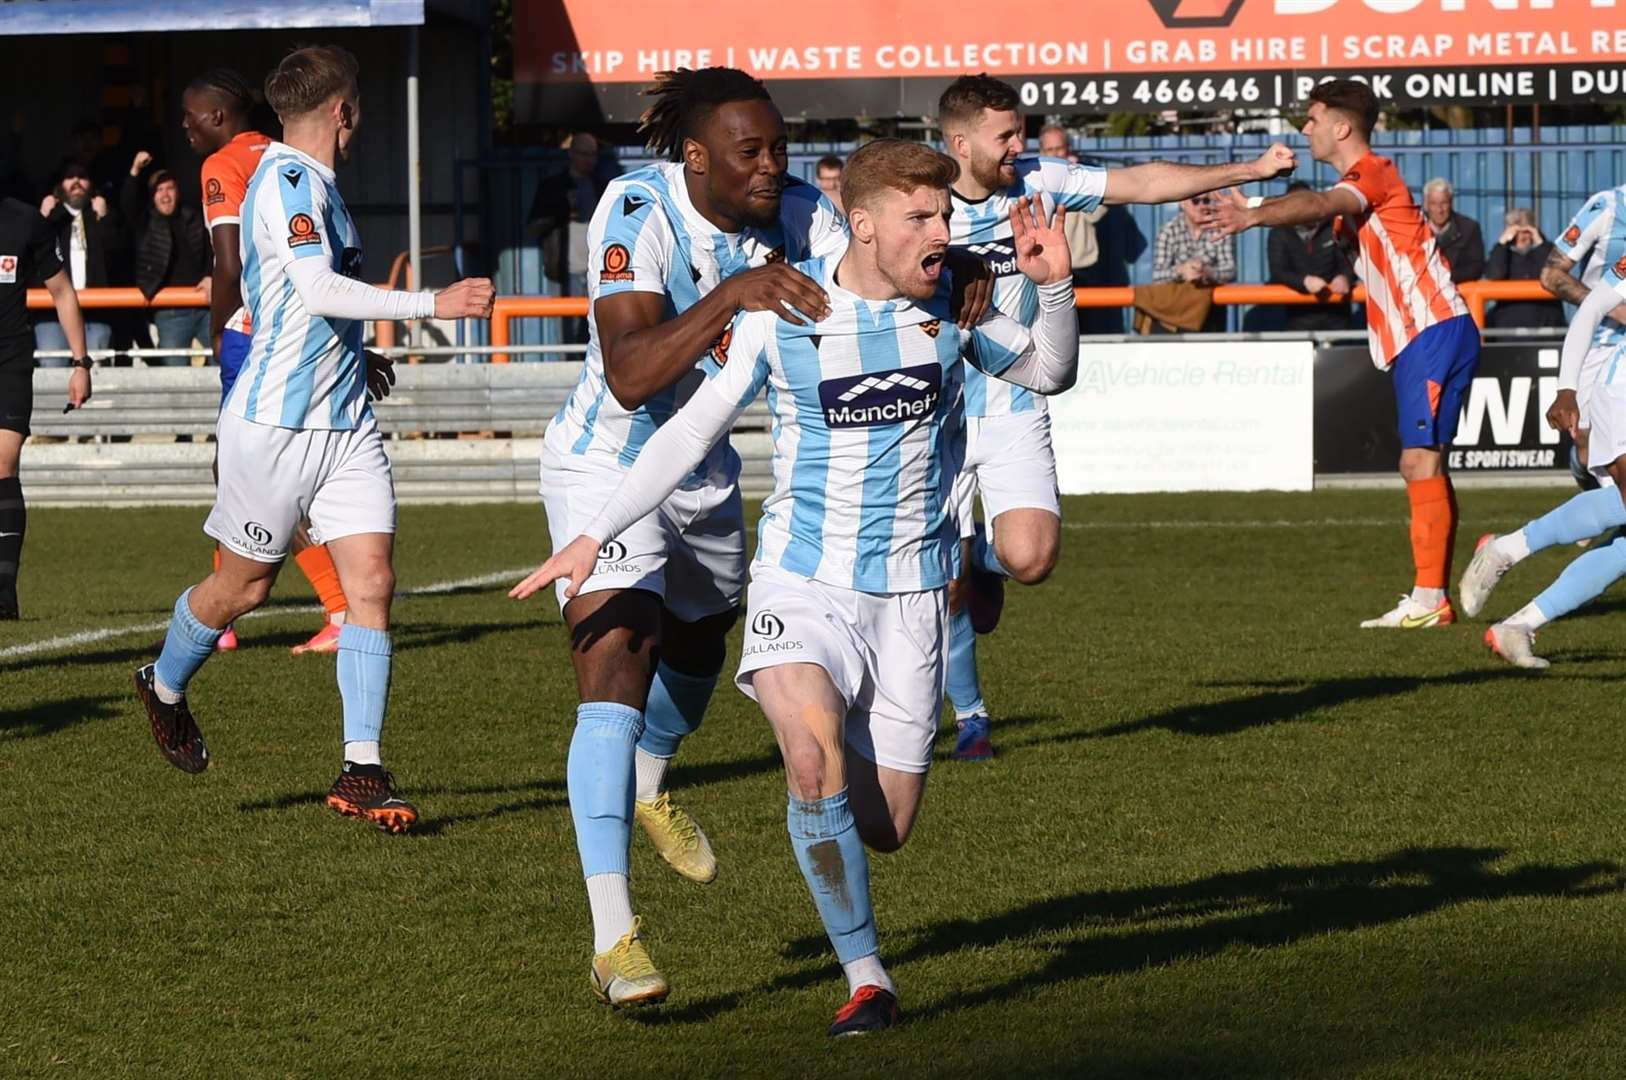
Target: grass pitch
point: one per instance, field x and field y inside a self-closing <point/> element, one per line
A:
<point x="1227" y="833"/>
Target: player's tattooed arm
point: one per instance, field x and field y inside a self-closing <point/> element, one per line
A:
<point x="1558" y="277"/>
<point x="1168" y="181"/>
<point x="645" y="352"/>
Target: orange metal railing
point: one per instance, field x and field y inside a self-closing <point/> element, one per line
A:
<point x="1476" y="293"/>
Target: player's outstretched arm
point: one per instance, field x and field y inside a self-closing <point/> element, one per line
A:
<point x="645" y="352"/>
<point x="1168" y="181"/>
<point x="66" y="301"/>
<point x="1231" y="212"/>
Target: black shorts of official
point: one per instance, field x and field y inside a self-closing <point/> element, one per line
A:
<point x="16" y="384"/>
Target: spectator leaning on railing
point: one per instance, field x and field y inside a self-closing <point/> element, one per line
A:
<point x="560" y="213"/>
<point x="1200" y="260"/>
<point x="171" y="250"/>
<point x="90" y="243"/>
<point x="1308" y="259"/>
<point x="1456" y="236"/>
<point x="1519" y="255"/>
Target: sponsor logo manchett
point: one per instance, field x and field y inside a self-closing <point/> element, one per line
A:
<point x="999" y="255"/>
<point x="881" y="397"/>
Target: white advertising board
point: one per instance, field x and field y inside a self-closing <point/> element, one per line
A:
<point x="1187" y="416"/>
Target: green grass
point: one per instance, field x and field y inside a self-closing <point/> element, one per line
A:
<point x="1227" y="833"/>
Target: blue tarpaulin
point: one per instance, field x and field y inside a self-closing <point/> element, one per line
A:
<point x="125" y="16"/>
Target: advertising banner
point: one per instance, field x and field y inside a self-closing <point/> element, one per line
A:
<point x="1187" y="416"/>
<point x="1502" y="425"/>
<point x="893" y="57"/>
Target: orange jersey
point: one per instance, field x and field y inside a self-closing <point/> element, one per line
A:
<point x="226" y="174"/>
<point x="1408" y="284"/>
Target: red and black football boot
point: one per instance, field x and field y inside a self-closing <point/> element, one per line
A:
<point x="871" y="1008"/>
<point x="368" y="791"/>
<point x="173" y="728"/>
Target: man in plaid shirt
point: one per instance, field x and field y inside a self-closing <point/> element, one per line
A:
<point x="1185" y="254"/>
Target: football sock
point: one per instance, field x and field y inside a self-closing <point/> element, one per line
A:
<point x="611" y="903"/>
<point x="1433" y="522"/>
<point x="1583" y="516"/>
<point x="364" y="686"/>
<point x="677" y="704"/>
<point x="1582" y="580"/>
<point x="963" y="685"/>
<point x="867" y="971"/>
<point x="836" y="868"/>
<point x="13" y="523"/>
<point x="598" y="776"/>
<point x="1528" y="618"/>
<point x="186" y="646"/>
<point x="983" y="556"/>
<point x="317" y="566"/>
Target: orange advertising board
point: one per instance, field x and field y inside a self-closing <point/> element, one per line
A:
<point x="885" y="57"/>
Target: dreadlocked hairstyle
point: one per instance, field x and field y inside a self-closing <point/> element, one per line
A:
<point x="685" y="98"/>
<point x="227" y="87"/>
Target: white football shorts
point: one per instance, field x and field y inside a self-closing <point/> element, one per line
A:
<point x="1009" y="464"/>
<point x="885" y="652"/>
<point x="690" y="552"/>
<point x="271" y="478"/>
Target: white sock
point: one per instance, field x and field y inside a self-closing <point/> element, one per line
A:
<point x="165" y="694"/>
<point x="611" y="902"/>
<point x="337" y="618"/>
<point x="1512" y="546"/>
<point x="363" y="752"/>
<point x="867" y="971"/>
<point x="650" y="772"/>
<point x="1528" y="618"/>
<point x="1428" y="598"/>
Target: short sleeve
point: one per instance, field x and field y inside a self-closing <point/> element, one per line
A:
<point x="43" y="260"/>
<point x="1365" y="179"/>
<point x="996" y="343"/>
<point x="224" y="186"/>
<point x="1077" y="187"/>
<point x="629" y="244"/>
<point x="1590" y="224"/>
<point x="294" y="219"/>
<point x="742" y="355"/>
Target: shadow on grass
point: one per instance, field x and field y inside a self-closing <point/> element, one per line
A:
<point x="1288" y="701"/>
<point x="406" y="636"/>
<point x="51" y="717"/>
<point x="1091" y="934"/>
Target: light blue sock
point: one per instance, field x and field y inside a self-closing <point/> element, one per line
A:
<point x="983" y="556"/>
<point x="364" y="681"/>
<point x="964" y="687"/>
<point x="1584" y="579"/>
<point x="677" y="704"/>
<point x="598" y="775"/>
<point x="1588" y="514"/>
<point x="187" y="645"/>
<point x="836" y="867"/>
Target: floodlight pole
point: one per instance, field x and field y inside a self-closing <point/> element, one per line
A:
<point x="414" y="181"/>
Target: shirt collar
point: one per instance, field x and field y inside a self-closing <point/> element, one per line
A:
<point x="284" y="150"/>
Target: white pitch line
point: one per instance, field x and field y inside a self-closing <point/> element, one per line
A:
<point x="90" y="637"/>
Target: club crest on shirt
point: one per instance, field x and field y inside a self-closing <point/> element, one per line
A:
<point x="212" y="193"/>
<point x="1620" y="267"/>
<point x="617" y="263"/>
<point x="776" y="255"/>
<point x="1572" y="234"/>
<point x="8" y="269"/>
<point x="931" y="327"/>
<point x="302" y="231"/>
<point x="719" y="348"/>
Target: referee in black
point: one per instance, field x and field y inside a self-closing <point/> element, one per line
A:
<point x="28" y="256"/>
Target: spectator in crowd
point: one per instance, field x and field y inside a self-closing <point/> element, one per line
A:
<point x="1456" y="235"/>
<point x="828" y="173"/>
<point x="1519" y="255"/>
<point x="1184" y="253"/>
<point x="1308" y="259"/>
<point x="1080" y="227"/>
<point x="90" y="243"/>
<point x="560" y="213"/>
<point x="171" y="249"/>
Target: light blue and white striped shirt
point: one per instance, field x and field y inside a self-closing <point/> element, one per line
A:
<point x="868" y="435"/>
<point x="1596" y="238"/>
<point x="983" y="229"/>
<point x="646" y="236"/>
<point x="302" y="370"/>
